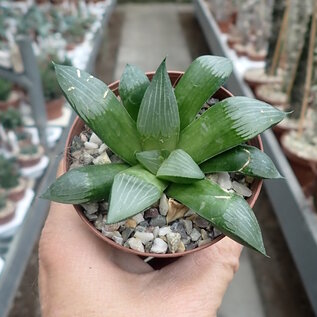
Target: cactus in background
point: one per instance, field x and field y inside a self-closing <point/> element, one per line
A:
<point x="9" y="173"/>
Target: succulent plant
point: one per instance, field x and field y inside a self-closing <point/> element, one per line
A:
<point x="29" y="149"/>
<point x="154" y="129"/>
<point x="5" y="89"/>
<point x="3" y="201"/>
<point x="11" y="119"/>
<point x="9" y="173"/>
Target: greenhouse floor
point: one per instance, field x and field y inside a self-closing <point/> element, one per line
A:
<point x="143" y="35"/>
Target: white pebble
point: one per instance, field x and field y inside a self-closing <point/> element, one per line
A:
<point x="91" y="208"/>
<point x="164" y="231"/>
<point x="145" y="237"/>
<point x="159" y="246"/>
<point x="173" y="240"/>
<point x="90" y="145"/>
<point x="189" y="213"/>
<point x="195" y="235"/>
<point x="163" y="205"/>
<point x="213" y="177"/>
<point x="241" y="189"/>
<point x="83" y="137"/>
<point x="203" y="242"/>
<point x="95" y="139"/>
<point x="102" y="159"/>
<point x="156" y="231"/>
<point x="138" y="218"/>
<point x="103" y="147"/>
<point x="136" y="244"/>
<point x="224" y="180"/>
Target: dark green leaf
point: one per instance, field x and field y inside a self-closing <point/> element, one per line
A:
<point x="228" y="212"/>
<point x="133" y="190"/>
<point x="245" y="159"/>
<point x="96" y="104"/>
<point x="158" y="119"/>
<point x="200" y="81"/>
<point x="227" y="124"/>
<point x="152" y="160"/>
<point x="84" y="184"/>
<point x="133" y="84"/>
<point x="179" y="167"/>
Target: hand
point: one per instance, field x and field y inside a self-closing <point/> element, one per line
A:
<point x="80" y="275"/>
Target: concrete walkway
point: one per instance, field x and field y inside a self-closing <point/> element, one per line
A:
<point x="149" y="33"/>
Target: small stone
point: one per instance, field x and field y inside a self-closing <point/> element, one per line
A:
<point x="111" y="228"/>
<point x="138" y="218"/>
<point x="91" y="208"/>
<point x="164" y="231"/>
<point x="85" y="158"/>
<point x="187" y="240"/>
<point x="156" y="231"/>
<point x="90" y="145"/>
<point x="181" y="247"/>
<point x="115" y="159"/>
<point x="145" y="237"/>
<point x="76" y="155"/>
<point x="188" y="225"/>
<point x="180" y="228"/>
<point x="95" y="139"/>
<point x="203" y="242"/>
<point x="102" y="159"/>
<point x="148" y="246"/>
<point x="176" y="210"/>
<point x="224" y="180"/>
<point x="204" y="234"/>
<point x="126" y="244"/>
<point x="249" y="179"/>
<point x="99" y="223"/>
<point x="151" y="213"/>
<point x="191" y="246"/>
<point x="93" y="152"/>
<point x="173" y="240"/>
<point x="189" y="213"/>
<point x="116" y="237"/>
<point x="130" y="223"/>
<point x="201" y="222"/>
<point x="159" y="221"/>
<point x="217" y="232"/>
<point x="213" y="177"/>
<point x="140" y="228"/>
<point x="103" y="148"/>
<point x="163" y="205"/>
<point x="103" y="206"/>
<point x="241" y="189"/>
<point x="136" y="244"/>
<point x="195" y="235"/>
<point x="83" y="138"/>
<point x="126" y="233"/>
<point x="75" y="165"/>
<point x="92" y="217"/>
<point x="159" y="246"/>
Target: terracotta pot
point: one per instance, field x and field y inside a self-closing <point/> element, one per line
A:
<point x="31" y="160"/>
<point x="78" y="127"/>
<point x="17" y="193"/>
<point x="240" y="49"/>
<point x="256" y="56"/>
<point x="7" y="213"/>
<point x="302" y="167"/>
<point x="265" y="95"/>
<point x="224" y="26"/>
<point x="54" y="108"/>
<point x="279" y="130"/>
<point x="233" y="40"/>
<point x="11" y="103"/>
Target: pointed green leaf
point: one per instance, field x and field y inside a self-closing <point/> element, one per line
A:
<point x="228" y="212"/>
<point x="97" y="105"/>
<point x="158" y="119"/>
<point x="132" y="86"/>
<point x="179" y="167"/>
<point x="245" y="159"/>
<point x="227" y="124"/>
<point x="152" y="160"/>
<point x="133" y="190"/>
<point x="84" y="184"/>
<point x="200" y="81"/>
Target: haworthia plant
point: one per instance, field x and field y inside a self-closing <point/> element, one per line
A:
<point x="155" y="131"/>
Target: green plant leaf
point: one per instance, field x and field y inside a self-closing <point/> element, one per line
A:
<point x="158" y="119"/>
<point x="133" y="190"/>
<point x="84" y="184"/>
<point x="97" y="105"/>
<point x="228" y="212"/>
<point x="152" y="160"/>
<point x="201" y="80"/>
<point x="226" y="124"/>
<point x="179" y="167"/>
<point x="245" y="159"/>
<point x="132" y="86"/>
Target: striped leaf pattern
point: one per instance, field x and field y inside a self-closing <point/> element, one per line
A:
<point x="228" y="212"/>
<point x="158" y="119"/>
<point x="133" y="190"/>
<point x="200" y="81"/>
<point x="99" y="108"/>
<point x="227" y="124"/>
<point x="132" y="86"/>
<point x="179" y="167"/>
<point x="245" y="159"/>
<point x="152" y="160"/>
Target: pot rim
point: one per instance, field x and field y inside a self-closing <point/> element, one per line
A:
<point x="77" y="125"/>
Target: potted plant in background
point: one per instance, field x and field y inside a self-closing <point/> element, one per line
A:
<point x="7" y="209"/>
<point x="7" y="98"/>
<point x="29" y="154"/>
<point x="173" y="193"/>
<point x="54" y="100"/>
<point x="10" y="180"/>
